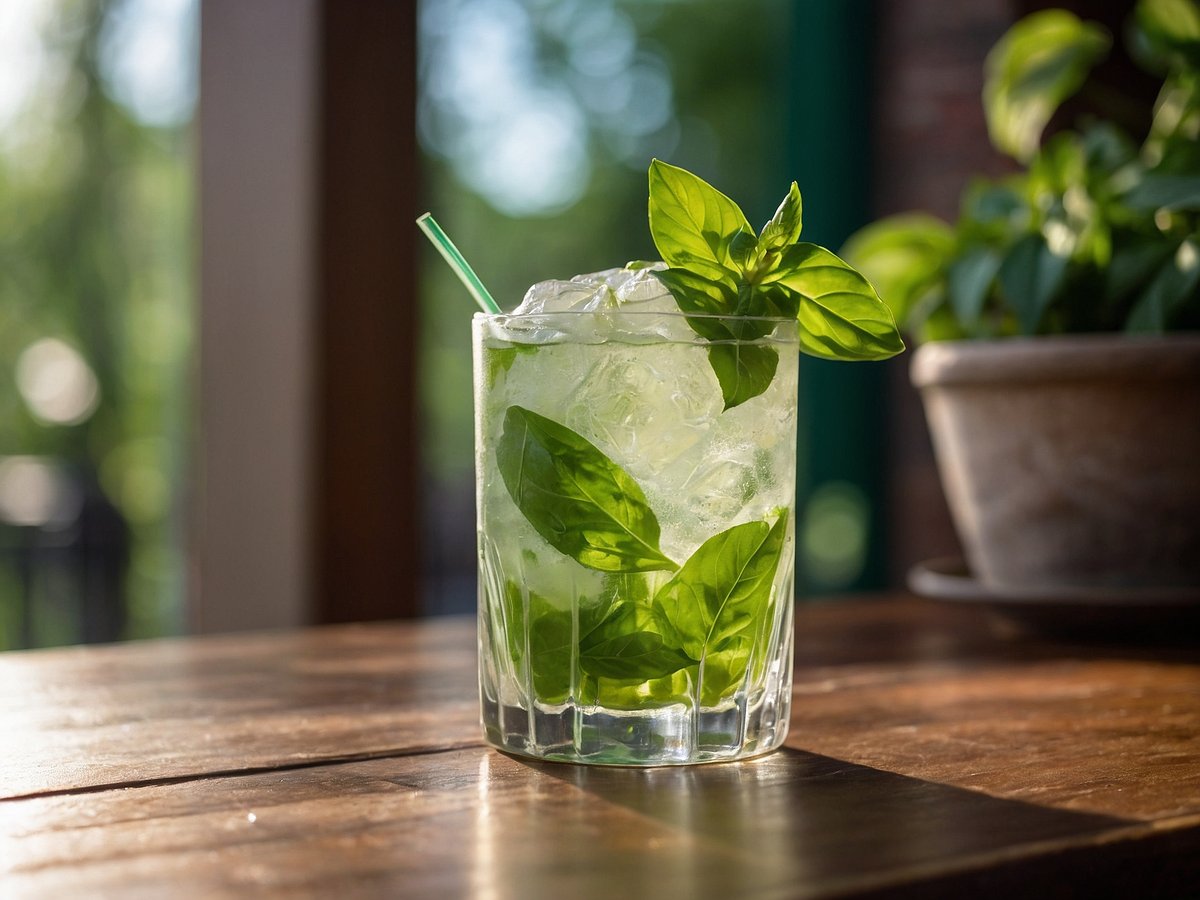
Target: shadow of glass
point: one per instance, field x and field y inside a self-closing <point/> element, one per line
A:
<point x="789" y="820"/>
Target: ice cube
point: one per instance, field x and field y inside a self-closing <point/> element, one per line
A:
<point x="566" y="296"/>
<point x="630" y="305"/>
<point x="641" y="287"/>
<point x="721" y="488"/>
<point x="646" y="407"/>
<point x="596" y="291"/>
<point x="636" y="285"/>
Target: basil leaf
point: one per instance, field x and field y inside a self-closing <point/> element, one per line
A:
<point x="725" y="670"/>
<point x="969" y="281"/>
<point x="904" y="256"/>
<point x="779" y="301"/>
<point x="1039" y="62"/>
<point x="714" y="604"/>
<point x="1134" y="263"/>
<point x="628" y="645"/>
<point x="1170" y="192"/>
<point x="640" y="656"/>
<point x="841" y="316"/>
<point x="743" y="370"/>
<point x="550" y="645"/>
<point x="513" y="617"/>
<point x="1170" y="290"/>
<point x="619" y="639"/>
<point x="718" y="267"/>
<point x="696" y="294"/>
<point x="692" y="223"/>
<point x="549" y="638"/>
<point x="499" y="360"/>
<point x="1167" y="34"/>
<point x="742" y="248"/>
<point x="784" y="228"/>
<point x="1030" y="276"/>
<point x="578" y="499"/>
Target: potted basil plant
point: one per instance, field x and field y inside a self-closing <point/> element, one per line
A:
<point x="1058" y="320"/>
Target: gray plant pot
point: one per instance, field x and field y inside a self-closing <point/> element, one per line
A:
<point x="1069" y="460"/>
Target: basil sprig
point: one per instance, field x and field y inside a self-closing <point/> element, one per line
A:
<point x="718" y="266"/>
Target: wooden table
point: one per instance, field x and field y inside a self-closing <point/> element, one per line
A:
<point x="926" y="758"/>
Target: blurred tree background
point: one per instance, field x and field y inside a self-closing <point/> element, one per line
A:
<point x="96" y="100"/>
<point x="537" y="121"/>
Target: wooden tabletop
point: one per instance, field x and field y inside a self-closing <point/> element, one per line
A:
<point x="927" y="758"/>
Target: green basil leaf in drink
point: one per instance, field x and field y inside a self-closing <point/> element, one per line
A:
<point x="841" y="316"/>
<point x="784" y="228"/>
<point x="550" y="644"/>
<point x="499" y="360"/>
<point x="702" y="297"/>
<point x="743" y="370"/>
<point x="742" y="249"/>
<point x="625" y="646"/>
<point x="640" y="656"/>
<point x="725" y="669"/>
<point x="575" y="497"/>
<point x="779" y="302"/>
<point x="618" y="639"/>
<point x="513" y="610"/>
<point x="753" y="306"/>
<point x="715" y="602"/>
<point x="692" y="223"/>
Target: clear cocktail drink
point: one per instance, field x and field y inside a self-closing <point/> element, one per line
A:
<point x="636" y="537"/>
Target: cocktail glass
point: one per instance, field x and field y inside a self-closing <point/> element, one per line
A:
<point x="636" y="537"/>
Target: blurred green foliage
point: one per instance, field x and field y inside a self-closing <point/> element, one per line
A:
<point x="1101" y="229"/>
<point x="96" y="253"/>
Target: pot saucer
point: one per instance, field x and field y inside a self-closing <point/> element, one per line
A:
<point x="1157" y="612"/>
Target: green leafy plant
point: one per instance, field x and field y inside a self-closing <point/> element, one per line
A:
<point x="1096" y="233"/>
<point x="720" y="267"/>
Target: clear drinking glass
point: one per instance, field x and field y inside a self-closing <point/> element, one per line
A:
<point x="636" y="538"/>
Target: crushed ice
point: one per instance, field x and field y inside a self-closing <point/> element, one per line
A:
<point x="628" y="304"/>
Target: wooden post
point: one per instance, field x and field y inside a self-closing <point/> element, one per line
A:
<point x="367" y="531"/>
<point x="307" y="496"/>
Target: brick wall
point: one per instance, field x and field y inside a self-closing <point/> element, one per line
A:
<point x="930" y="139"/>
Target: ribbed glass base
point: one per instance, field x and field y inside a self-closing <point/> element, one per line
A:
<point x="675" y="734"/>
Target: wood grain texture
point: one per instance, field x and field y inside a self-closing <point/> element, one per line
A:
<point x="791" y="824"/>
<point x="927" y="759"/>
<point x="932" y="693"/>
<point x="93" y="716"/>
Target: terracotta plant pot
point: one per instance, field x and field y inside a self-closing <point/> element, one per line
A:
<point x="1070" y="460"/>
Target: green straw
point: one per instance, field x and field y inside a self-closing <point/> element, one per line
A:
<point x="461" y="268"/>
